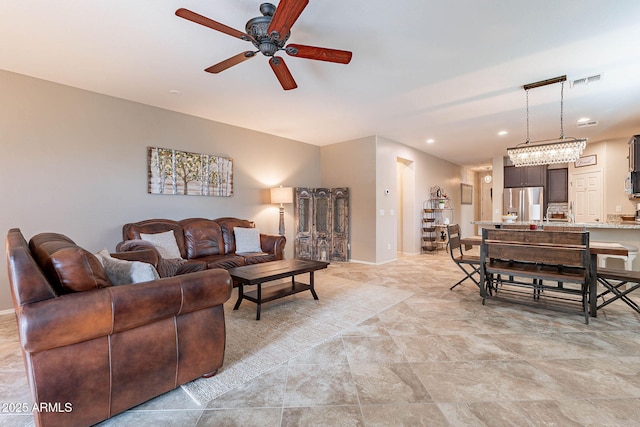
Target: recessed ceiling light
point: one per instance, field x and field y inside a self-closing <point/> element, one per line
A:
<point x="503" y="133"/>
<point x="175" y="92"/>
<point x="583" y="119"/>
<point x="430" y="141"/>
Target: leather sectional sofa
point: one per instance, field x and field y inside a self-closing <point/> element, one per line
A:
<point x="91" y="349"/>
<point x="203" y="243"/>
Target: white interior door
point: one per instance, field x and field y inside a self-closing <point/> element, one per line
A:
<point x="587" y="196"/>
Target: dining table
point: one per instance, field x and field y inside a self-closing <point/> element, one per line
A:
<point x="595" y="248"/>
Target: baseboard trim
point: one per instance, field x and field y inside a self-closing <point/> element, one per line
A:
<point x="7" y="311"/>
<point x="373" y="263"/>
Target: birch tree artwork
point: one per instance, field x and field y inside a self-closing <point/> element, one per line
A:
<point x="180" y="172"/>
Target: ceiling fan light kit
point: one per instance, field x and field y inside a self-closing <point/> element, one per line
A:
<point x="269" y="33"/>
<point x="550" y="151"/>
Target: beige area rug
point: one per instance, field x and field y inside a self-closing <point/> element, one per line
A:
<point x="289" y="327"/>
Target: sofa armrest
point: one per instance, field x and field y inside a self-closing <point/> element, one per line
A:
<point x="83" y="316"/>
<point x="272" y="244"/>
<point x="137" y="245"/>
<point x="165" y="267"/>
<point x="149" y="256"/>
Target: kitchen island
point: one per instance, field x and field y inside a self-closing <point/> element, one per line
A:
<point x="624" y="232"/>
<point x="624" y="225"/>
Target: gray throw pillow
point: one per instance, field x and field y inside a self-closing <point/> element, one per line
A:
<point x="247" y="239"/>
<point x="122" y="272"/>
<point x="164" y="242"/>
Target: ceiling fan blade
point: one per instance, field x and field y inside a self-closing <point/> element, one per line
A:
<point x="319" y="53"/>
<point x="203" y="20"/>
<point x="285" y="16"/>
<point x="228" y="63"/>
<point x="282" y="73"/>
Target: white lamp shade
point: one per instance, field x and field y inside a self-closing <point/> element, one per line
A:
<point x="282" y="195"/>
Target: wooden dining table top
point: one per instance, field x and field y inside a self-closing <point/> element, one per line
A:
<point x="595" y="247"/>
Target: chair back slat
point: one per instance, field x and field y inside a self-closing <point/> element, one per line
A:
<point x="537" y="236"/>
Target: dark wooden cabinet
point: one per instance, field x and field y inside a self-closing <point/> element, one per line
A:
<point x="558" y="185"/>
<point x="529" y="176"/>
<point x="634" y="154"/>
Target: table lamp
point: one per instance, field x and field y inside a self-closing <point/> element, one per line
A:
<point x="281" y="195"/>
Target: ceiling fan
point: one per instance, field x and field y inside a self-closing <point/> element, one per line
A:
<point x="269" y="33"/>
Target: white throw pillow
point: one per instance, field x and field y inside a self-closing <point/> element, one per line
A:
<point x="164" y="242"/>
<point x="123" y="272"/>
<point x="247" y="239"/>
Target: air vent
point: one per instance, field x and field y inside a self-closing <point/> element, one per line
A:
<point x="588" y="124"/>
<point x="586" y="80"/>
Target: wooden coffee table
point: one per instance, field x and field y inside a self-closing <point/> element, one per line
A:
<point x="257" y="274"/>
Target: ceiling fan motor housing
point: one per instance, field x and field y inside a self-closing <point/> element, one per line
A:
<point x="257" y="28"/>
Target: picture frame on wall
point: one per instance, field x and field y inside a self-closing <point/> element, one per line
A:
<point x="586" y="161"/>
<point x="172" y="171"/>
<point x="466" y="194"/>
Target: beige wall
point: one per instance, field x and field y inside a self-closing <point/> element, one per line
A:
<point x="353" y="164"/>
<point x="612" y="162"/>
<point x="74" y="162"/>
<point x="428" y="171"/>
<point x="370" y="167"/>
<point x="615" y="168"/>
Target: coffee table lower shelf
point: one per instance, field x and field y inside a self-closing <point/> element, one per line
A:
<point x="258" y="274"/>
<point x="274" y="292"/>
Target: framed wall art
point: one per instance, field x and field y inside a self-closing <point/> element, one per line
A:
<point x="586" y="161"/>
<point x="179" y="172"/>
<point x="466" y="194"/>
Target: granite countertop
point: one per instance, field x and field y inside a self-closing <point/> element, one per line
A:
<point x="630" y="225"/>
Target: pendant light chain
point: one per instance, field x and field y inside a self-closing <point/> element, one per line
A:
<point x="547" y="152"/>
<point x="527" y="92"/>
<point x="562" y="111"/>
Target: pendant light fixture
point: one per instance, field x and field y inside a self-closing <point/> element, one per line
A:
<point x="549" y="151"/>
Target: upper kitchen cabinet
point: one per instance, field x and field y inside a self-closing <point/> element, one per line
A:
<point x="558" y="185"/>
<point x="634" y="154"/>
<point x="529" y="176"/>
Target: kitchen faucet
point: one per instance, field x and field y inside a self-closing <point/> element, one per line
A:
<point x="571" y="217"/>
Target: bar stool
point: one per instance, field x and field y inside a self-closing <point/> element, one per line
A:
<point x="628" y="260"/>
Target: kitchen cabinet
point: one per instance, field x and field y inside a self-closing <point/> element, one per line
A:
<point x="634" y="154"/>
<point x="529" y="176"/>
<point x="558" y="185"/>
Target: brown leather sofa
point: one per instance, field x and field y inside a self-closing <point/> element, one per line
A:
<point x="92" y="350"/>
<point x="203" y="243"/>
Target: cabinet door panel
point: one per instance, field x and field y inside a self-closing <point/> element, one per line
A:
<point x="512" y="177"/>
<point x="558" y="185"/>
<point x="534" y="176"/>
<point x="340" y="217"/>
<point x="302" y="245"/>
<point x="322" y="223"/>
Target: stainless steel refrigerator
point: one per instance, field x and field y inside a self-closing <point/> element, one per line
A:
<point x="525" y="202"/>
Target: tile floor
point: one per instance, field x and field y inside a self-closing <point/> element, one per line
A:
<point x="439" y="358"/>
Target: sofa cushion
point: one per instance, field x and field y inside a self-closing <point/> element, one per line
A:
<point x="257" y="258"/>
<point x="223" y="261"/>
<point x="164" y="242"/>
<point x="69" y="267"/>
<point x="122" y="272"/>
<point x="132" y="231"/>
<point x="227" y="225"/>
<point x="203" y="237"/>
<point x="247" y="239"/>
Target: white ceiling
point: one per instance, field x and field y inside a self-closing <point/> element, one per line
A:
<point x="449" y="70"/>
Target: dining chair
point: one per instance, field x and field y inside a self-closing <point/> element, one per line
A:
<point x="469" y="264"/>
<point x="618" y="285"/>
